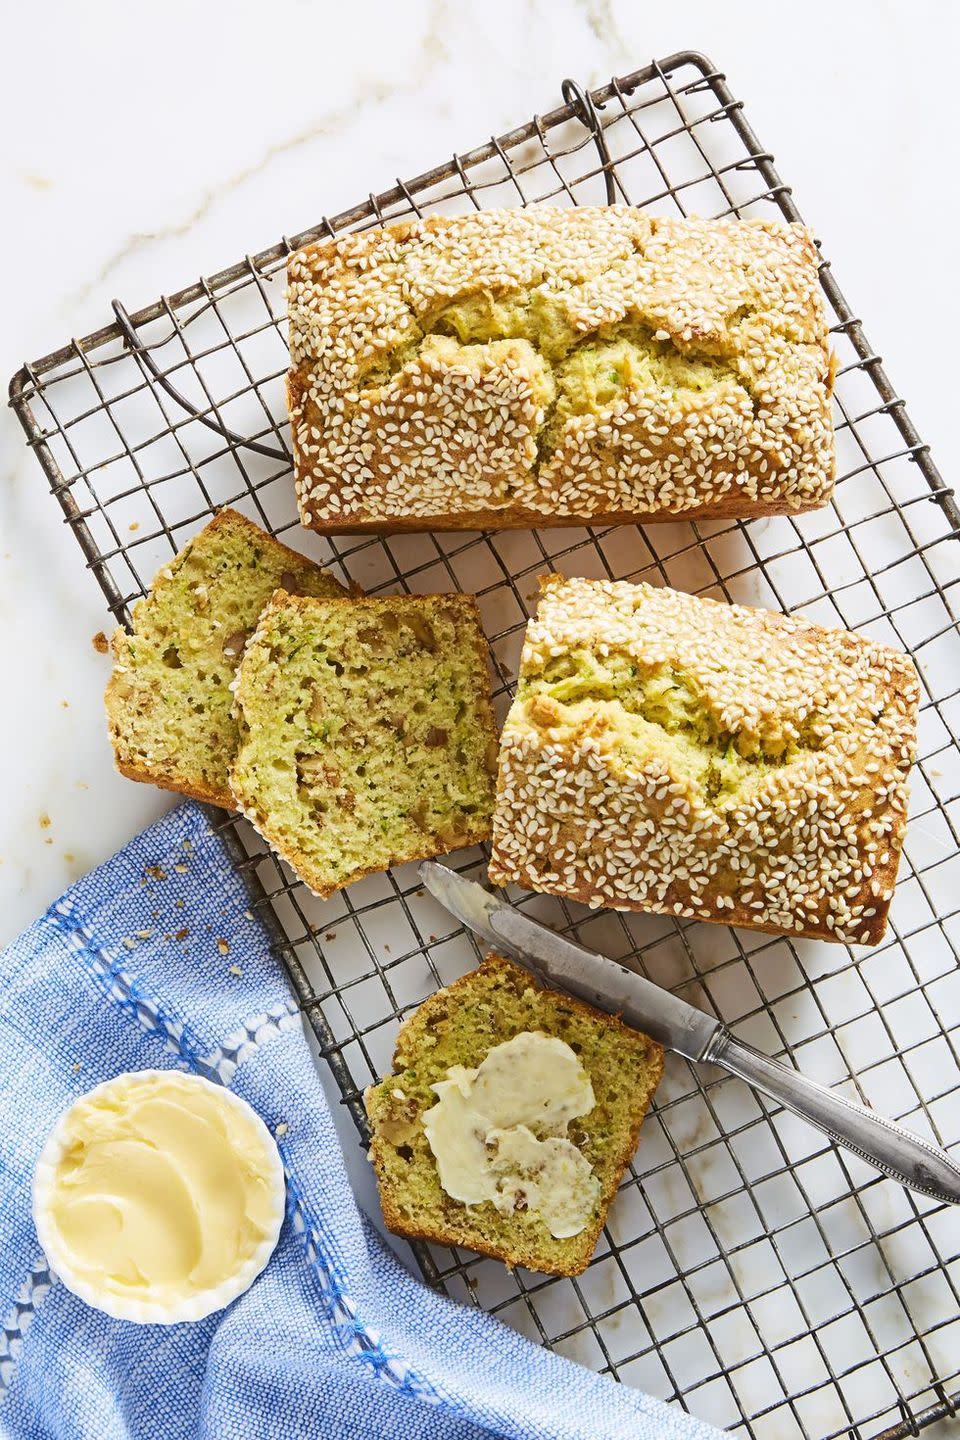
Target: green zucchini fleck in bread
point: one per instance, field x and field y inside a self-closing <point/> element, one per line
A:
<point x="169" y="705"/>
<point x="459" y="1025"/>
<point x="367" y="731"/>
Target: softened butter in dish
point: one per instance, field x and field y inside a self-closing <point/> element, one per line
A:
<point x="498" y="1132"/>
<point x="159" y="1197"/>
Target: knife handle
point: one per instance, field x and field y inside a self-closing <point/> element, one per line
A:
<point x="899" y="1153"/>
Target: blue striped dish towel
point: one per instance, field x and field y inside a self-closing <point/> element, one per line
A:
<point x="335" y="1340"/>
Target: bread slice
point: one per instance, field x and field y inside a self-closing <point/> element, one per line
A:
<point x="458" y="1026"/>
<point x="169" y="706"/>
<point x="368" y="736"/>
<point x="671" y="753"/>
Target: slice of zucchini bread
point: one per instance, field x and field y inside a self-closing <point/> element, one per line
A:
<point x="368" y="735"/>
<point x="169" y="706"/>
<point x="683" y="755"/>
<point x="458" y="1031"/>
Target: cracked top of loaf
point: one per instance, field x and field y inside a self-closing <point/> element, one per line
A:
<point x="671" y="753"/>
<point x="551" y="366"/>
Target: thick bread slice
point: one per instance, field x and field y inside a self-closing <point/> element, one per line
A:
<point x="458" y="1026"/>
<point x="545" y="366"/>
<point x="169" y="706"/>
<point x="368" y="736"/>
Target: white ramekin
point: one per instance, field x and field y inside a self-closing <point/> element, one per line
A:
<point x="145" y="1311"/>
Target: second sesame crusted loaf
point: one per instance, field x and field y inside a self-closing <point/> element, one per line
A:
<point x="555" y="367"/>
<point x="367" y="732"/>
<point x="677" y="754"/>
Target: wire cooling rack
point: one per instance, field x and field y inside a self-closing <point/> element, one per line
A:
<point x="748" y="1271"/>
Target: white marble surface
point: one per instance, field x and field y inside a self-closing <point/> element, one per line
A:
<point x="148" y="146"/>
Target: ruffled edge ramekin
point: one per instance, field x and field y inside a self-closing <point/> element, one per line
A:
<point x="155" y="1312"/>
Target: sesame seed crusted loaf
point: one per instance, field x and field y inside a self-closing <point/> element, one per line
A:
<point x="682" y="755"/>
<point x="367" y="732"/>
<point x="169" y="706"/>
<point x="458" y="1026"/>
<point x="556" y="366"/>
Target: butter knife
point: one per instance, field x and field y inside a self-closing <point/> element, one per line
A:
<point x="905" y="1157"/>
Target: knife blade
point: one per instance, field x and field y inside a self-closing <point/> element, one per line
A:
<point x="601" y="982"/>
<point x="608" y="985"/>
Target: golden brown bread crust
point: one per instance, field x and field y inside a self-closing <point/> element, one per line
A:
<point x="516" y="518"/>
<point x="803" y="835"/>
<point x="723" y="409"/>
<point x="297" y="858"/>
<point x="172" y="782"/>
<point x="743" y="918"/>
<point x="457" y="1227"/>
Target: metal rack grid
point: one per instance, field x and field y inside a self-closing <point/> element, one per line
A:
<point x="748" y="1270"/>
